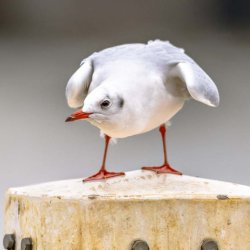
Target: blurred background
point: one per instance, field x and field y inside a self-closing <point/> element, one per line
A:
<point x="42" y="44"/>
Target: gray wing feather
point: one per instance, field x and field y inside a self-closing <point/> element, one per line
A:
<point x="78" y="84"/>
<point x="200" y="86"/>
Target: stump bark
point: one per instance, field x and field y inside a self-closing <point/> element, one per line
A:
<point x="163" y="211"/>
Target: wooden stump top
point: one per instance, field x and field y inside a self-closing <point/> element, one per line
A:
<point x="137" y="185"/>
<point x="161" y="211"/>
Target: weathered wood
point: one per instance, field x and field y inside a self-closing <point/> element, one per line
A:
<point x="167" y="211"/>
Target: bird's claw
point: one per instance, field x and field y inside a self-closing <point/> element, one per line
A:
<point x="102" y="175"/>
<point x="165" y="168"/>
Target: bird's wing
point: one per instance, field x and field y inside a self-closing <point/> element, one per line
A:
<point x="177" y="64"/>
<point x="199" y="85"/>
<point x="78" y="84"/>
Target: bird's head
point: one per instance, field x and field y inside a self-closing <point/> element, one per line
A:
<point x="102" y="107"/>
<point x="113" y="98"/>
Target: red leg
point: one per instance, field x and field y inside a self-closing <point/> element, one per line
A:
<point x="165" y="168"/>
<point x="103" y="173"/>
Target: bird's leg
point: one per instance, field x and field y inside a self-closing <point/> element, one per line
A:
<point x="103" y="173"/>
<point x="165" y="168"/>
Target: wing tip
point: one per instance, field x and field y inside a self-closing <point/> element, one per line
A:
<point x="215" y="100"/>
<point x="216" y="103"/>
<point x="212" y="101"/>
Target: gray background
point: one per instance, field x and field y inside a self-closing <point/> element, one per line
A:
<point x="41" y="45"/>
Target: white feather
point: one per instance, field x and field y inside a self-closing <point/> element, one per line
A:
<point x="147" y="78"/>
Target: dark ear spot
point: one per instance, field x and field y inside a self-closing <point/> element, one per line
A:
<point x="121" y="102"/>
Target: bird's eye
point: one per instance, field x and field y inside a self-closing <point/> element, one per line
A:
<point x="105" y="104"/>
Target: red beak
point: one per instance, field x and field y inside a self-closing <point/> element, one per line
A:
<point x="78" y="115"/>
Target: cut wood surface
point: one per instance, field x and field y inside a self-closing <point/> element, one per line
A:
<point x="166" y="211"/>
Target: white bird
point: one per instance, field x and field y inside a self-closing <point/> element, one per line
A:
<point x="133" y="88"/>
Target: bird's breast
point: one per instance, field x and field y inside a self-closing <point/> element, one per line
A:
<point x="141" y="120"/>
<point x="147" y="103"/>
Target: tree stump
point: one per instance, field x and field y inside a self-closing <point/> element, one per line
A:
<point x="139" y="211"/>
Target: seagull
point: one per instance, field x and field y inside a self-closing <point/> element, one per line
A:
<point x="131" y="89"/>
